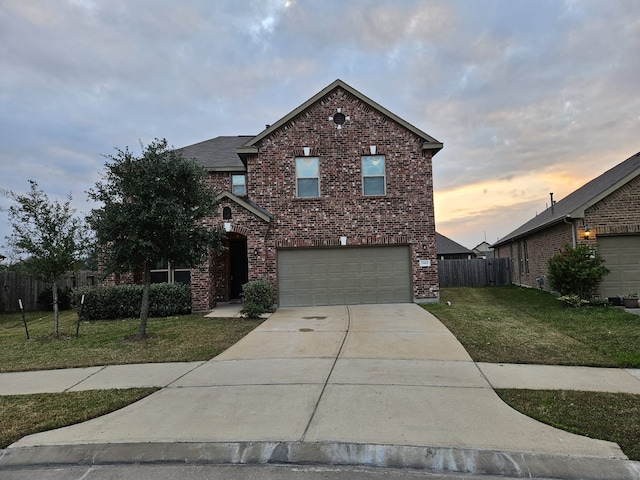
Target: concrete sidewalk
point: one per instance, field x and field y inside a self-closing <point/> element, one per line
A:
<point x="384" y="385"/>
<point x="535" y="377"/>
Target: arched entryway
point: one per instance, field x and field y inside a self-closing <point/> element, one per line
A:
<point x="238" y="264"/>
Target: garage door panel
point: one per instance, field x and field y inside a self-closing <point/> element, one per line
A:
<point x="339" y="276"/>
<point x="622" y="258"/>
<point x="319" y="269"/>
<point x="629" y="258"/>
<point x="370" y="283"/>
<point x="371" y="297"/>
<point x="351" y="268"/>
<point x="319" y="283"/>
<point x="353" y="298"/>
<point x="288" y="285"/>
<point x="369" y="269"/>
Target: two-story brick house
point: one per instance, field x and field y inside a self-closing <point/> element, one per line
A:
<point x="333" y="203"/>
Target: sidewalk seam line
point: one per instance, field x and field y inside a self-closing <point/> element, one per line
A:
<point x="477" y="364"/>
<point x="324" y="387"/>
<point x="185" y="373"/>
<point x="85" y="379"/>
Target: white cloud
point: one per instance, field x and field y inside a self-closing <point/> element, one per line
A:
<point x="516" y="90"/>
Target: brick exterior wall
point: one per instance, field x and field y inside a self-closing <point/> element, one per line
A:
<point x="529" y="256"/>
<point x="404" y="216"/>
<point x="616" y="214"/>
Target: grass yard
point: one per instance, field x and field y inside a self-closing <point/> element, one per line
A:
<point x="22" y="415"/>
<point x="497" y="324"/>
<point x="522" y="325"/>
<point x="607" y="416"/>
<point x="174" y="339"/>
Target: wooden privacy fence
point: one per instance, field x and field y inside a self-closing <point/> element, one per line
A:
<point x="17" y="285"/>
<point x="474" y="273"/>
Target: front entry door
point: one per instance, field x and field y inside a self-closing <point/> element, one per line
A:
<point x="239" y="267"/>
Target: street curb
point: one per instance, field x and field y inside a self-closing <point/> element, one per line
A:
<point x="432" y="459"/>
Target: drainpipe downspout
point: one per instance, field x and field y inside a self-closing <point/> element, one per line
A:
<point x="574" y="238"/>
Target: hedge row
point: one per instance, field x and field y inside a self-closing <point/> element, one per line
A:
<point x="123" y="301"/>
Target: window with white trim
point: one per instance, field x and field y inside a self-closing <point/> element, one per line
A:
<point x="166" y="272"/>
<point x="307" y="177"/>
<point x="373" y="175"/>
<point x="239" y="185"/>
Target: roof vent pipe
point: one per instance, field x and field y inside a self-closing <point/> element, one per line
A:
<point x="552" y="202"/>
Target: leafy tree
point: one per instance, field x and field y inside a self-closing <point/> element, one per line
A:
<point x="576" y="271"/>
<point x="154" y="208"/>
<point x="48" y="237"/>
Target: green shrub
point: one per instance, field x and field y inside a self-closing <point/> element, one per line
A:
<point x="574" y="301"/>
<point x="257" y="297"/>
<point x="123" y="301"/>
<point x="166" y="299"/>
<point x="576" y="271"/>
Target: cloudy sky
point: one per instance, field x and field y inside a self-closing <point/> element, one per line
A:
<point x="528" y="96"/>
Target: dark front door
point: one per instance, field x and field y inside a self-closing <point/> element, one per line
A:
<point x="239" y="267"/>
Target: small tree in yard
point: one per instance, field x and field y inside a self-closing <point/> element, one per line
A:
<point x="48" y="234"/>
<point x="153" y="207"/>
<point x="576" y="271"/>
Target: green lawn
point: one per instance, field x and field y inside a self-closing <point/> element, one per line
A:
<point x="174" y="339"/>
<point x="22" y="415"/>
<point x="522" y="325"/>
<point x="607" y="416"/>
<point x="497" y="324"/>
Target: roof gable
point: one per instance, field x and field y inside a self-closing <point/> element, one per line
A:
<point x="429" y="143"/>
<point x="247" y="205"/>
<point x="575" y="204"/>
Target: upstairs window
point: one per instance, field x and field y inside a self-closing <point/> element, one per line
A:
<point x="307" y="177"/>
<point x="239" y="185"/>
<point x="373" y="175"/>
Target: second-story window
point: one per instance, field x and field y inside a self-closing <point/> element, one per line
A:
<point x="373" y="175"/>
<point x="307" y="177"/>
<point x="239" y="185"/>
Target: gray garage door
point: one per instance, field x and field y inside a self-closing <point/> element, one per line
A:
<point x="622" y="255"/>
<point x="344" y="276"/>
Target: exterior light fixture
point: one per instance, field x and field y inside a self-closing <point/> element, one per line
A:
<point x="587" y="233"/>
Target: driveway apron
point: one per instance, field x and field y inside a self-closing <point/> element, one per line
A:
<point x="366" y="374"/>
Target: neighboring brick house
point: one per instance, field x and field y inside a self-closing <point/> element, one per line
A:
<point x="448" y="249"/>
<point x="604" y="213"/>
<point x="333" y="204"/>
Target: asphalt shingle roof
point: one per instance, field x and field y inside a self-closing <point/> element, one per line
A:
<point x="575" y="203"/>
<point x="446" y="246"/>
<point x="217" y="153"/>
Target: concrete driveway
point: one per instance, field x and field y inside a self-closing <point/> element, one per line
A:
<point x="367" y="384"/>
